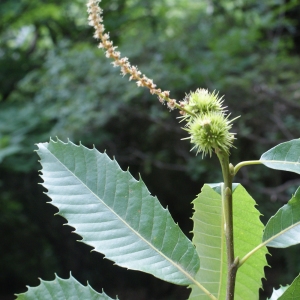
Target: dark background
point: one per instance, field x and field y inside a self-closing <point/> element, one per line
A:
<point x="55" y="82"/>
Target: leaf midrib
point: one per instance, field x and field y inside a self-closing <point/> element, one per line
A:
<point x="280" y="161"/>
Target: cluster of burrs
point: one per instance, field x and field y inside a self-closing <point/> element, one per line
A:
<point x="208" y="125"/>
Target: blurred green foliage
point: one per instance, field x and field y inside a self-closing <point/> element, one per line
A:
<point x="55" y="82"/>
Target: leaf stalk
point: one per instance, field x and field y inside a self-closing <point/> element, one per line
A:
<point x="246" y="163"/>
<point x="241" y="262"/>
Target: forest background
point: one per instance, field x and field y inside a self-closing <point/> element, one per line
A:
<point x="55" y="82"/>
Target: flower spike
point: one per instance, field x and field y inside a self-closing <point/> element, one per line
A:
<point x="96" y="20"/>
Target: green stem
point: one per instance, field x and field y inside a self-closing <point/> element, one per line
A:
<point x="232" y="262"/>
<point x="246" y="163"/>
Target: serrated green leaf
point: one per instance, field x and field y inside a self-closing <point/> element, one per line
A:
<point x="209" y="239"/>
<point x="248" y="231"/>
<point x="285" y="156"/>
<point x="283" y="229"/>
<point x="293" y="291"/>
<point x="114" y="213"/>
<point x="277" y="293"/>
<point x="62" y="289"/>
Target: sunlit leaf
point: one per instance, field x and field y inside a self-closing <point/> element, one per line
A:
<point x="209" y="239"/>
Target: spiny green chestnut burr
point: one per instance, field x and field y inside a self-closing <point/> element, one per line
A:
<point x="210" y="131"/>
<point x="202" y="101"/>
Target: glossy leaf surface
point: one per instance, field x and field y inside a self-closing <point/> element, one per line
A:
<point x="62" y="289"/>
<point x="285" y="156"/>
<point x="283" y="229"/>
<point x="209" y="239"/>
<point x="115" y="213"/>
